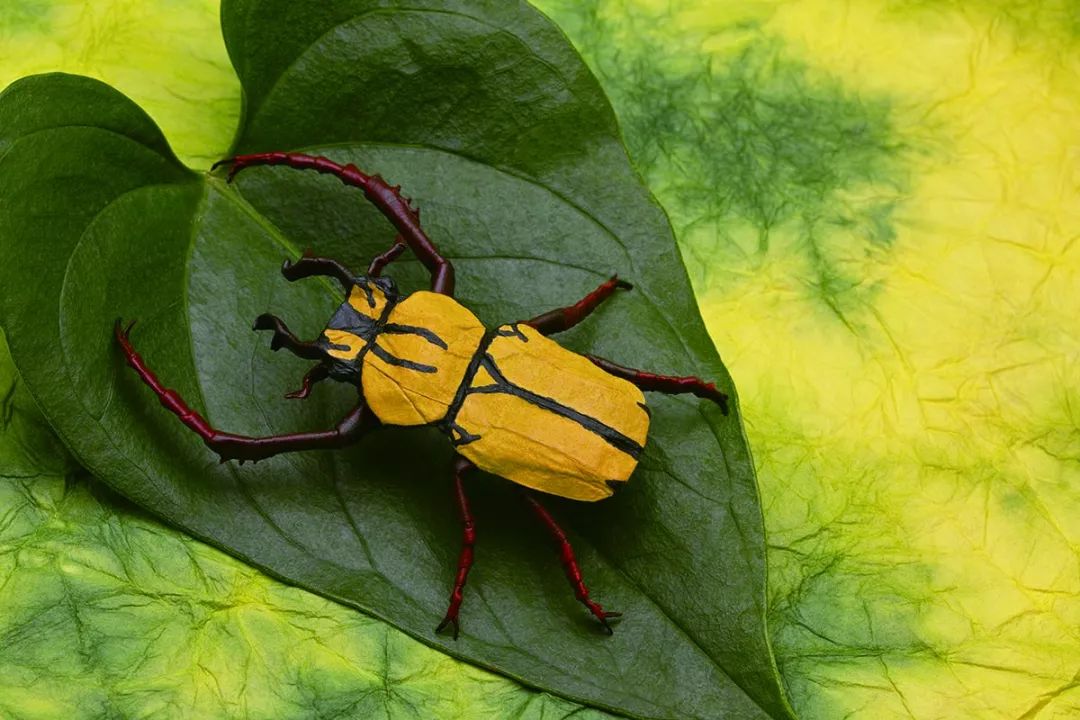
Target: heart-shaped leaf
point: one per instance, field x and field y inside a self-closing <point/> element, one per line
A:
<point x="490" y="121"/>
<point x="104" y="610"/>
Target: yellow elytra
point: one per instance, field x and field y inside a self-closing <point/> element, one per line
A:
<point x="514" y="402"/>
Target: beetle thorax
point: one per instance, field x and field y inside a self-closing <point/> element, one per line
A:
<point x="355" y="324"/>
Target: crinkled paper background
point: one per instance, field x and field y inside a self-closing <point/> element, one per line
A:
<point x="878" y="202"/>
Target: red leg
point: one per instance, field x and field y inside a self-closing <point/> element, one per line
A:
<point x="465" y="561"/>
<point x="382" y="195"/>
<point x="241" y="447"/>
<point x="559" y="319"/>
<point x="667" y="384"/>
<point x="316" y="374"/>
<point x="379" y="262"/>
<point x="573" y="572"/>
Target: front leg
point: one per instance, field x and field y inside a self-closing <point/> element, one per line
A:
<point x="230" y="446"/>
<point x="387" y="198"/>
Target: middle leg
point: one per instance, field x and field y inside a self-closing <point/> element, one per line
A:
<point x="283" y="338"/>
<point x="559" y="319"/>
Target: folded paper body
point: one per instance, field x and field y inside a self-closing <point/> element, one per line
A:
<point x="512" y="401"/>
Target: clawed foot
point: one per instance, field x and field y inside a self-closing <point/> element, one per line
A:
<point x="711" y="393"/>
<point x="603" y="616"/>
<point x="234" y="167"/>
<point x="450" y="619"/>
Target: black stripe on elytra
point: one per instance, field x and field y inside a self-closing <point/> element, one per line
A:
<point x="615" y="438"/>
<point x="464" y="437"/>
<point x="398" y="329"/>
<point x="372" y="338"/>
<point x="394" y="360"/>
<point x="511" y="330"/>
<point x="466" y="380"/>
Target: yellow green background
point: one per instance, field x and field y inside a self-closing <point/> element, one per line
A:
<point x="878" y="205"/>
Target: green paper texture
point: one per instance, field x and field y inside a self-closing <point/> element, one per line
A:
<point x="495" y="127"/>
<point x="878" y="207"/>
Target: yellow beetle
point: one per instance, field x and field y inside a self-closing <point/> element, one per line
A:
<point x="512" y="401"/>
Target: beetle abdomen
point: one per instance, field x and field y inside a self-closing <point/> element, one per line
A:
<point x="537" y="414"/>
<point x="417" y="361"/>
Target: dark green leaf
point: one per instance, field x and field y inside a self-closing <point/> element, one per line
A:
<point x="105" y="612"/>
<point x="490" y="121"/>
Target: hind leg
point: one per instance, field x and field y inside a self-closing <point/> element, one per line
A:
<point x="570" y="565"/>
<point x="465" y="561"/>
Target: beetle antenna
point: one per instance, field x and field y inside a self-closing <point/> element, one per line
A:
<point x="283" y="338"/>
<point x="308" y="266"/>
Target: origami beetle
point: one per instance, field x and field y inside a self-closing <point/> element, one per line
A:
<point x="512" y="402"/>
